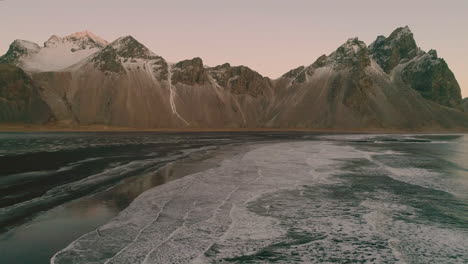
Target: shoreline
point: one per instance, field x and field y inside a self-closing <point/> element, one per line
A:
<point x="6" y="128"/>
<point x="242" y="171"/>
<point x="271" y="201"/>
<point x="106" y="205"/>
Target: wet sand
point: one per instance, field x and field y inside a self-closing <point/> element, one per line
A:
<point x="332" y="199"/>
<point x="53" y="230"/>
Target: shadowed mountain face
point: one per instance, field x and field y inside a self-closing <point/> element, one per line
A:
<point x="422" y="71"/>
<point x="389" y="52"/>
<point x="348" y="89"/>
<point x="19" y="98"/>
<point x="390" y="84"/>
<point x="465" y="104"/>
<point x="17" y="50"/>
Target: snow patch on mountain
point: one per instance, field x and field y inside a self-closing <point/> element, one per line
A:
<point x="352" y="52"/>
<point x="57" y="53"/>
<point x="55" y="59"/>
<point x="27" y="46"/>
<point x="19" y="49"/>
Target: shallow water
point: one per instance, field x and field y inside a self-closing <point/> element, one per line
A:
<point x="55" y="187"/>
<point x="295" y="198"/>
<point x="329" y="199"/>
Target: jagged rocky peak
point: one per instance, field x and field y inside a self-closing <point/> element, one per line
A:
<point x="129" y="47"/>
<point x="391" y="51"/>
<point x="189" y="72"/>
<point x="89" y="36"/>
<point x="193" y="63"/>
<point x="126" y="52"/>
<point x="433" y="79"/>
<point x="52" y="41"/>
<point x="221" y="74"/>
<point x="299" y="74"/>
<point x="18" y="49"/>
<point x="83" y="40"/>
<point x="294" y="72"/>
<point x="239" y="79"/>
<point x="57" y="53"/>
<point x="25" y="45"/>
<point x="425" y="72"/>
<point x="353" y="53"/>
<point x="320" y="61"/>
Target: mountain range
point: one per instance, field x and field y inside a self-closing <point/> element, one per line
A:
<point x="82" y="80"/>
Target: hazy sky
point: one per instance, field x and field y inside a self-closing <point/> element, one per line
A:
<point x="269" y="36"/>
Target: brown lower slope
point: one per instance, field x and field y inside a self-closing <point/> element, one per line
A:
<point x="138" y="99"/>
<point x="367" y="99"/>
<point x="334" y="100"/>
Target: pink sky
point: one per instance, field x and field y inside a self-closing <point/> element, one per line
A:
<point x="270" y="36"/>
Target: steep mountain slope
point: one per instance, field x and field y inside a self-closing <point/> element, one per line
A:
<point x="19" y="98"/>
<point x="424" y="72"/>
<point x="465" y="104"/>
<point x="383" y="86"/>
<point x="348" y="89"/>
<point x="57" y="53"/>
<point x="125" y="84"/>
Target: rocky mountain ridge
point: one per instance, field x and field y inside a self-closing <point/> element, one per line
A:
<point x="55" y="55"/>
<point x="390" y="84"/>
<point x="424" y="72"/>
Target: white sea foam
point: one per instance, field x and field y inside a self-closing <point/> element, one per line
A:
<point x="275" y="200"/>
<point x="415" y="242"/>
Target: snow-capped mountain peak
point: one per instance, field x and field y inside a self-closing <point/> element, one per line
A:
<point x="401" y="32"/>
<point x="352" y="53"/>
<point x="26" y="45"/>
<point x="57" y="54"/>
<point x="129" y="47"/>
<point x="125" y="54"/>
<point x="19" y="49"/>
<point x="389" y="51"/>
<point x="88" y="35"/>
<point x="82" y="40"/>
<point x="52" y="41"/>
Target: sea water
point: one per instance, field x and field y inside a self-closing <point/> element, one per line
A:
<point x="296" y="198"/>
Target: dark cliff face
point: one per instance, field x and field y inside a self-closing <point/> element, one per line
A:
<point x="350" y="60"/>
<point x="389" y="52"/>
<point x="424" y="72"/>
<point x="465" y="104"/>
<point x="433" y="79"/>
<point x="126" y="50"/>
<point x="294" y="72"/>
<point x="20" y="101"/>
<point x="348" y="89"/>
<point x="107" y="60"/>
<point x="239" y="79"/>
<point x="189" y="72"/>
<point x="299" y="75"/>
<point x="352" y="54"/>
<point x="18" y="49"/>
